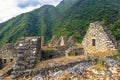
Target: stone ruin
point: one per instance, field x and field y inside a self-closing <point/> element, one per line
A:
<point x="7" y="55"/>
<point x="56" y="41"/>
<point x="98" y="39"/>
<point x="29" y="50"/>
<point x="57" y="46"/>
<point x="42" y="41"/>
<point x="63" y="46"/>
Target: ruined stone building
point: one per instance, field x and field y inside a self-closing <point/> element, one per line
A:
<point x="61" y="41"/>
<point x="62" y="46"/>
<point x="28" y="52"/>
<point x="74" y="51"/>
<point x="7" y="54"/>
<point x="56" y="47"/>
<point x="98" y="39"/>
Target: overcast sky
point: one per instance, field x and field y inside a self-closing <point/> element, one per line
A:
<point x="12" y="8"/>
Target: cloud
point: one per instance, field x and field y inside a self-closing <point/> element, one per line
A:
<point x="26" y="3"/>
<point x="12" y="8"/>
<point x="52" y="2"/>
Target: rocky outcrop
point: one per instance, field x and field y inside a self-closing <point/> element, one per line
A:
<point x="110" y="62"/>
<point x="84" y="71"/>
<point x="54" y="70"/>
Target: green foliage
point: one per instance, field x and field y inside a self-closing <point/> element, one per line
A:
<point x="35" y="23"/>
<point x="65" y="4"/>
<point x="73" y="53"/>
<point x="70" y="17"/>
<point x="37" y="63"/>
<point x="101" y="62"/>
<point x="46" y="52"/>
<point x="116" y="57"/>
<point x="118" y="50"/>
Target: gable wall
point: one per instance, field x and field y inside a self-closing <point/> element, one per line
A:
<point x="102" y="41"/>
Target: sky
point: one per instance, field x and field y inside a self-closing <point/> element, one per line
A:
<point x="12" y="8"/>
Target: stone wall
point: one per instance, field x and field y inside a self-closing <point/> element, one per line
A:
<point x="61" y="41"/>
<point x="74" y="51"/>
<point x="28" y="51"/>
<point x="7" y="54"/>
<point x="42" y="41"/>
<point x="61" y="44"/>
<point x="47" y="70"/>
<point x="98" y="39"/>
<point x="119" y="47"/>
<point x="49" y="54"/>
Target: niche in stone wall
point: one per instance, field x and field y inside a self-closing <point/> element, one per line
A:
<point x="11" y="60"/>
<point x="1" y="63"/>
<point x="93" y="42"/>
<point x="5" y="61"/>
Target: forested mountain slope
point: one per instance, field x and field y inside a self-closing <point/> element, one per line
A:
<point x="70" y="17"/>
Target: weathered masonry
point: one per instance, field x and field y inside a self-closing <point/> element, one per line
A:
<point x="98" y="39"/>
<point x="7" y="54"/>
<point x="28" y="52"/>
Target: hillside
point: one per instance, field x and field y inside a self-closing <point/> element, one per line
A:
<point x="70" y="17"/>
<point x="35" y="23"/>
<point x="76" y="19"/>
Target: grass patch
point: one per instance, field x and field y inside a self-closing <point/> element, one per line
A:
<point x="100" y="64"/>
<point x="37" y="63"/>
<point x="116" y="57"/>
<point x="105" y="53"/>
<point x="73" y="53"/>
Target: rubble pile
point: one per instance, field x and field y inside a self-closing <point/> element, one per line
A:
<point x="86" y="71"/>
